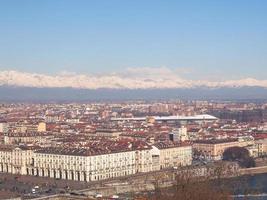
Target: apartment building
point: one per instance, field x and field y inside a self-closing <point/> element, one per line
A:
<point x="143" y="159"/>
<point x="31" y="137"/>
<point x="93" y="161"/>
<point x="261" y="146"/>
<point x="3" y="127"/>
<point x="213" y="149"/>
<point x="167" y="154"/>
<point x="107" y="132"/>
<point x="16" y="160"/>
<point x="82" y="164"/>
<point x="41" y="127"/>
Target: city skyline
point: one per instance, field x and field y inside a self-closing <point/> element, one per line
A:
<point x="211" y="41"/>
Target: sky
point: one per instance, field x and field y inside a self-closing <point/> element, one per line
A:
<point x="198" y="40"/>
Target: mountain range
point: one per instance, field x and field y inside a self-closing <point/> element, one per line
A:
<point x="131" y="78"/>
<point x="133" y="83"/>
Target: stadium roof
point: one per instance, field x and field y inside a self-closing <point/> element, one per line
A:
<point x="170" y="118"/>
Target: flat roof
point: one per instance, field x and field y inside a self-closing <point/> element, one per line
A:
<point x="169" y="118"/>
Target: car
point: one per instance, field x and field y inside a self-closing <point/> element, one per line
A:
<point x="98" y="196"/>
<point x="114" y="197"/>
<point x="48" y="191"/>
<point x="74" y="193"/>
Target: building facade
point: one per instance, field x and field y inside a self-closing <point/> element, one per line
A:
<point x="213" y="149"/>
<point x="166" y="155"/>
<point x="15" y="160"/>
<point x="93" y="163"/>
<point x="81" y="164"/>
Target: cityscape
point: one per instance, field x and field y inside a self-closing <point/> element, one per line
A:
<point x="109" y="148"/>
<point x="133" y="100"/>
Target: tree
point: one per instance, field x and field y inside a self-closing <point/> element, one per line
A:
<point x="240" y="155"/>
<point x="188" y="185"/>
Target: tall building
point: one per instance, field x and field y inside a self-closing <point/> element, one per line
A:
<point x="169" y="154"/>
<point x="3" y="127"/>
<point x="179" y="135"/>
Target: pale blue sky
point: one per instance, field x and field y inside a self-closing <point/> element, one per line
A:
<point x="206" y="39"/>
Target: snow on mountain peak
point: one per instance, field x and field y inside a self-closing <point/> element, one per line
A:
<point x="131" y="78"/>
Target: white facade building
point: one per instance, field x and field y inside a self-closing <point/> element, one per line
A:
<point x="15" y="160"/>
<point x="82" y="165"/>
<point x="171" y="155"/>
<point x="93" y="163"/>
<point x="180" y="134"/>
<point x="3" y="127"/>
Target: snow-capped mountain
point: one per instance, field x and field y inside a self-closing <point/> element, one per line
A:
<point x="131" y="78"/>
